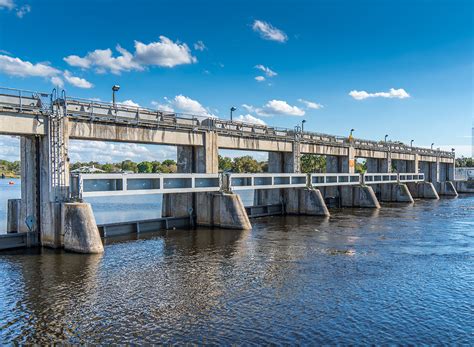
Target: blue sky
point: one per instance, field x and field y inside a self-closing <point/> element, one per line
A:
<point x="403" y="68"/>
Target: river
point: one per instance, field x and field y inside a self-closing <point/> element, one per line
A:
<point x="401" y="274"/>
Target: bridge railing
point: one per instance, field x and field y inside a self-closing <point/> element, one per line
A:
<point x="95" y="185"/>
<point x="24" y="101"/>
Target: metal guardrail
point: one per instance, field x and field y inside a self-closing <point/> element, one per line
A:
<point x="95" y="185"/>
<point x="91" y="185"/>
<point x="28" y="101"/>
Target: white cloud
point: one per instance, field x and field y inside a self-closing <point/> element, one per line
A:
<point x="269" y="32"/>
<point x="248" y="118"/>
<point x="17" y="67"/>
<point x="57" y="81"/>
<point x="200" y="46"/>
<point x="393" y="93"/>
<point x="164" y="53"/>
<point x="266" y="70"/>
<point x="162" y="107"/>
<point x="8" y="4"/>
<point x="275" y="107"/>
<point x="110" y="152"/>
<point x="280" y="107"/>
<point x="77" y="81"/>
<point x="103" y="60"/>
<point x="130" y="103"/>
<point x="9" y="148"/>
<point x="311" y="104"/>
<point x="188" y="105"/>
<point x="20" y="13"/>
<point x="260" y="78"/>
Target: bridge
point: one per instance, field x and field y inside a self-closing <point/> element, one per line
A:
<point x="47" y="121"/>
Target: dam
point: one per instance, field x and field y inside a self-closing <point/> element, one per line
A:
<point x="51" y="211"/>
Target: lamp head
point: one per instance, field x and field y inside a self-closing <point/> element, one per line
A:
<point x="116" y="88"/>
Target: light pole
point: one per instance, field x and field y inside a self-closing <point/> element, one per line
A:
<point x="115" y="88"/>
<point x="432" y="145"/>
<point x="302" y="125"/>
<point x="232" y="109"/>
<point x="352" y="130"/>
<point x="411" y="143"/>
<point x="386" y="137"/>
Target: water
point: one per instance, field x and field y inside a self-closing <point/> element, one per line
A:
<point x="401" y="274"/>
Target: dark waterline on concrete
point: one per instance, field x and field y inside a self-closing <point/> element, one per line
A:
<point x="401" y="274"/>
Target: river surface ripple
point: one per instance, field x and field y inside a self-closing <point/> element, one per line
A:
<point x="400" y="274"/>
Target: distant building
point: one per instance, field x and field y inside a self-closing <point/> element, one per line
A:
<point x="87" y="169"/>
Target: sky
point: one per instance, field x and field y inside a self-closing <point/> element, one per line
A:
<point x="402" y="68"/>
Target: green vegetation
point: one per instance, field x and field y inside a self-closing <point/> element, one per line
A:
<point x="10" y="169"/>
<point x="242" y="164"/>
<point x="464" y="162"/>
<point x="167" y="166"/>
<point x="311" y="163"/>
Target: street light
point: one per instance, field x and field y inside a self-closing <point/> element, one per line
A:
<point x="115" y="88"/>
<point x="232" y="109"/>
<point x="432" y="145"/>
<point x="352" y="130"/>
<point x="302" y="125"/>
<point x="411" y="143"/>
<point x="386" y="138"/>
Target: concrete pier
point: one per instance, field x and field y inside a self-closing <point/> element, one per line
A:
<point x="464" y="186"/>
<point x="305" y="201"/>
<point x="13" y="215"/>
<point x="397" y="192"/>
<point x="80" y="232"/>
<point x="222" y="210"/>
<point x="362" y="196"/>
<point x="423" y="190"/>
<point x="446" y="188"/>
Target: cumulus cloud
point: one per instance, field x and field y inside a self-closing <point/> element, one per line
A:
<point x="280" y="107"/>
<point x="110" y="152"/>
<point x="311" y="104"/>
<point x="130" y="103"/>
<point x="8" y="4"/>
<point x="259" y="78"/>
<point x="11" y="5"/>
<point x="393" y="93"/>
<point x="17" y="67"/>
<point x="77" y="81"/>
<point x="57" y="81"/>
<point x="248" y="118"/>
<point x="162" y="107"/>
<point x="200" y="46"/>
<point x="20" y="68"/>
<point x="187" y="105"/>
<point x="275" y="107"/>
<point x="164" y="53"/>
<point x="266" y="70"/>
<point x="23" y="10"/>
<point x="269" y="32"/>
<point x="9" y="148"/>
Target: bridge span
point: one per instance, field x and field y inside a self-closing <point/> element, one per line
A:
<point x="47" y="121"/>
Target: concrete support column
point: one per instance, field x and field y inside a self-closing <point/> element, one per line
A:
<point x="412" y="165"/>
<point x="13" y="217"/>
<point x="29" y="152"/>
<point x="305" y="201"/>
<point x="192" y="159"/>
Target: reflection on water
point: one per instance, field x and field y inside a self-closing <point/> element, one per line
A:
<point x="401" y="274"/>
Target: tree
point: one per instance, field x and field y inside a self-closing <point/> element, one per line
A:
<point x="465" y="162"/>
<point x="145" y="167"/>
<point x="108" y="167"/>
<point x="246" y="164"/>
<point x="311" y="163"/>
<point x="225" y="163"/>
<point x="128" y="165"/>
